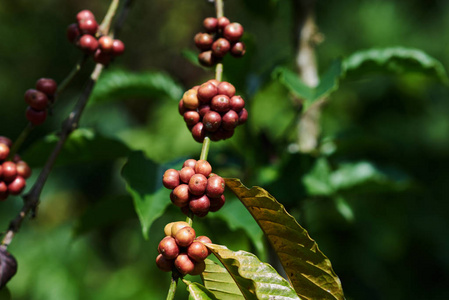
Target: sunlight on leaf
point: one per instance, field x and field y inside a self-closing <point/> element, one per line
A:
<point x="217" y="280"/>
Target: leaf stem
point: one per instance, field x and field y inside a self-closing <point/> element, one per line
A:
<point x="63" y="85"/>
<point x="173" y="285"/>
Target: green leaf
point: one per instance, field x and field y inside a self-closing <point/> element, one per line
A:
<point x="217" y="280"/>
<point x="317" y="182"/>
<point x="192" y="57"/>
<point x="255" y="279"/>
<point x="82" y="146"/>
<point x="393" y="60"/>
<point x="308" y="269"/>
<point x="143" y="182"/>
<point x="198" y="292"/>
<point x="344" y="208"/>
<point x="122" y="84"/>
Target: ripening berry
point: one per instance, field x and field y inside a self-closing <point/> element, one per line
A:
<point x="4" y="151"/>
<point x="203" y="167"/>
<point x="220" y="47"/>
<point x="203" y="239"/>
<point x="197" y="251"/>
<point x="23" y="169"/>
<point x="214" y="82"/>
<point x="207" y="59"/>
<point x="220" y="103"/>
<point x="184" y="264"/>
<point x="181" y="108"/>
<point x="199" y="205"/>
<point x="180" y="195"/>
<point x="170" y="179"/>
<point x="223" y="22"/>
<point x="88" y="26"/>
<point x="47" y="86"/>
<point x="230" y="120"/>
<point x="206" y="92"/>
<point x="236" y="103"/>
<point x="105" y="43"/>
<point x="212" y="121"/>
<point x="203" y="41"/>
<point x="238" y="49"/>
<point x="36" y="99"/>
<point x="199" y="132"/>
<point x="88" y="43"/>
<point x="191" y="117"/>
<point x="243" y="116"/>
<point x="217" y="203"/>
<point x="215" y="186"/>
<point x="186" y="173"/>
<point x="233" y="32"/>
<point x="6" y="141"/>
<point x="34" y="116"/>
<point x="190" y="99"/>
<point x="225" y="88"/>
<point x="203" y="109"/>
<point x="197" y="184"/>
<point x="118" y="47"/>
<point x="9" y="171"/>
<point x="210" y="24"/>
<point x="167" y="229"/>
<point x="185" y="236"/>
<point x="168" y="248"/>
<point x="190" y="163"/>
<point x="85" y="14"/>
<point x="165" y="265"/>
<point x="16" y="186"/>
<point x="73" y="32"/>
<point x="198" y="269"/>
<point x="177" y="226"/>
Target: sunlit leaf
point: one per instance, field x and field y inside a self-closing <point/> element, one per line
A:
<point x="308" y="269"/>
<point x="144" y="183"/>
<point x="255" y="279"/>
<point x="317" y="181"/>
<point x="217" y="280"/>
<point x="198" y="292"/>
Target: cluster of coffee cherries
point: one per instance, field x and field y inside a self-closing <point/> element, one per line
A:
<point x="221" y="37"/>
<point x="212" y="110"/>
<point x="39" y="99"/>
<point x="12" y="173"/>
<point x="195" y="187"/>
<point x="182" y="249"/>
<point x="84" y="34"/>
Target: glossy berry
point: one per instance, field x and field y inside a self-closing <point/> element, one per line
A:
<point x="212" y="121"/>
<point x="236" y="103"/>
<point x="233" y="32"/>
<point x="210" y="24"/>
<point x="206" y="59"/>
<point x="88" y="43"/>
<point x="227" y="89"/>
<point x="34" y="116"/>
<point x="217" y="203"/>
<point x="190" y="99"/>
<point x="220" y="103"/>
<point x="185" y="236"/>
<point x="184" y="264"/>
<point x="6" y="141"/>
<point x="165" y="265"/>
<point x="168" y="248"/>
<point x="215" y="186"/>
<point x="190" y="163"/>
<point x="230" y="120"/>
<point x="4" y="151"/>
<point x="118" y="47"/>
<point x="243" y="116"/>
<point x="177" y="226"/>
<point x="180" y="195"/>
<point x="47" y="86"/>
<point x="223" y="22"/>
<point x="105" y="43"/>
<point x="203" y="41"/>
<point x="200" y="205"/>
<point x="199" y="132"/>
<point x="16" y="186"/>
<point x="197" y="251"/>
<point x="85" y="14"/>
<point x="170" y="179"/>
<point x="36" y="99"/>
<point x="181" y="108"/>
<point x="197" y="184"/>
<point x="186" y="173"/>
<point x="73" y="32"/>
<point x="206" y="92"/>
<point x="214" y="82"/>
<point x="203" y="167"/>
<point x="88" y="26"/>
<point x="220" y="47"/>
<point x="203" y="109"/>
<point x="238" y="49"/>
<point x="9" y="171"/>
<point x="191" y="117"/>
<point x="198" y="269"/>
<point x="203" y="239"/>
<point x="23" y="169"/>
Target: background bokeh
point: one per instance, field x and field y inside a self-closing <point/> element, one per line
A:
<point x="87" y="243"/>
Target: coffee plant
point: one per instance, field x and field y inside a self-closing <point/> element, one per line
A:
<point x="224" y="161"/>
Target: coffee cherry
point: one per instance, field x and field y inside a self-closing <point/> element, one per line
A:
<point x="220" y="103"/>
<point x="47" y="86"/>
<point x="206" y="92"/>
<point x="203" y="167"/>
<point x="215" y="186"/>
<point x="236" y="103"/>
<point x="197" y="184"/>
<point x="73" y="32"/>
<point x="223" y="22"/>
<point x="167" y="229"/>
<point x="191" y="117"/>
<point x="16" y="186"/>
<point x="34" y="116"/>
<point x="9" y="171"/>
<point x="206" y="59"/>
<point x="214" y="82"/>
<point x="217" y="203"/>
<point x="238" y="49"/>
<point x="198" y="269"/>
<point x="197" y="251"/>
<point x="199" y="205"/>
<point x="181" y="108"/>
<point x="170" y="179"/>
<point x="190" y="99"/>
<point x="186" y="173"/>
<point x="102" y="57"/>
<point x="4" y="193"/>
<point x="177" y="226"/>
<point x="225" y="88"/>
<point x="220" y="47"/>
<point x="4" y="152"/>
<point x="168" y="248"/>
<point x="233" y="32"/>
<point x="230" y="120"/>
<point x="205" y="240"/>
<point x="88" y="43"/>
<point x="117" y="47"/>
<point x="184" y="264"/>
<point x="203" y="109"/>
<point x="165" y="265"/>
<point x="6" y="141"/>
<point x="212" y="121"/>
<point x="210" y="24"/>
<point x="23" y="169"/>
<point x="185" y="236"/>
<point x="203" y="41"/>
<point x="180" y="195"/>
<point x="88" y="26"/>
<point x="85" y="14"/>
<point x="190" y="163"/>
<point x="243" y="116"/>
<point x="36" y="99"/>
<point x="199" y="132"/>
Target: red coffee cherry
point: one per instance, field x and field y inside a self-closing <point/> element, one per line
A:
<point x="197" y="184"/>
<point x="181" y="108"/>
<point x="238" y="49"/>
<point x="236" y="103"/>
<point x="23" y="169"/>
<point x="184" y="264"/>
<point x="34" y="116"/>
<point x="212" y="121"/>
<point x="215" y="186"/>
<point x="117" y="47"/>
<point x="88" y="26"/>
<point x="230" y="120"/>
<point x="220" y="103"/>
<point x="197" y="251"/>
<point x="223" y="22"/>
<point x="180" y="195"/>
<point x="214" y="82"/>
<point x="9" y="171"/>
<point x="47" y="86"/>
<point x="243" y="116"/>
<point x="85" y="14"/>
<point x="88" y="43"/>
<point x="73" y="32"/>
<point x="170" y="179"/>
<point x="203" y="109"/>
<point x="198" y="269"/>
<point x="6" y="141"/>
<point x="36" y="99"/>
<point x="225" y="88"/>
<point x="206" y="59"/>
<point x="220" y="47"/>
<point x="105" y="43"/>
<point x="190" y="99"/>
<point x="186" y="173"/>
<point x="210" y="24"/>
<point x="233" y="32"/>
<point x="185" y="236"/>
<point x="199" y="132"/>
<point x="165" y="265"/>
<point x="16" y="186"/>
<point x="102" y="57"/>
<point x="203" y="41"/>
<point x="217" y="203"/>
<point x="206" y="92"/>
<point x="205" y="240"/>
<point x="3" y="191"/>
<point x="203" y="167"/>
<point x="191" y="117"/>
<point x="190" y="163"/>
<point x="4" y="151"/>
<point x="168" y="248"/>
<point x="199" y="205"/>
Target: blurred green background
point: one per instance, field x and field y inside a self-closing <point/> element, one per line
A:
<point x="386" y="231"/>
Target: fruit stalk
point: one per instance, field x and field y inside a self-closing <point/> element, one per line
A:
<point x="173" y="285"/>
<point x="219" y="8"/>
